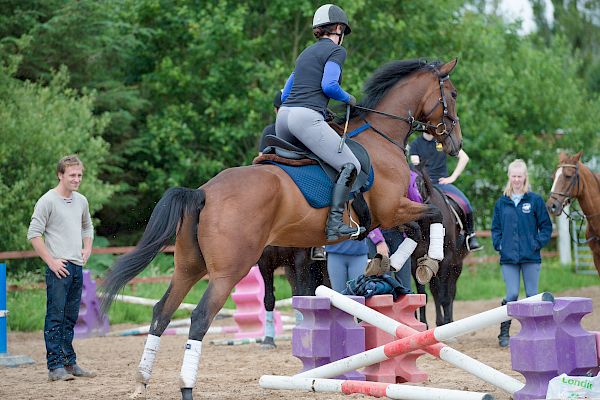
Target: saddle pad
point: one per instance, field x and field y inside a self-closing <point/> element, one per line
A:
<point x="315" y="184"/>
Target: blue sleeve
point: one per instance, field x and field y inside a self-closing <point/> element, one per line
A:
<point x="544" y="225"/>
<point x="287" y="88"/>
<point x="330" y="82"/>
<point x="497" y="227"/>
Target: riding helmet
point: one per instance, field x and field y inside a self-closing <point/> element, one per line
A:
<point x="331" y="14"/>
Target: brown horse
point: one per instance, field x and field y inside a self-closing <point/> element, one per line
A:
<point x="222" y="227"/>
<point x="573" y="180"/>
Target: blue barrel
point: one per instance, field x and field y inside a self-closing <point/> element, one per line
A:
<point x="3" y="311"/>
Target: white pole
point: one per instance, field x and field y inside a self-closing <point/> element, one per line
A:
<point x="564" y="238"/>
<point x="376" y="389"/>
<point x="416" y="341"/>
<point x="440" y="350"/>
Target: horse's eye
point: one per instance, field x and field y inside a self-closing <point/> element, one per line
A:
<point x="454" y="94"/>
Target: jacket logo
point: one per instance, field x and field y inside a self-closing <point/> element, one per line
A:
<point x="526" y="208"/>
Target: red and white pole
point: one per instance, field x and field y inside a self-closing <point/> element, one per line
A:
<point x="375" y="389"/>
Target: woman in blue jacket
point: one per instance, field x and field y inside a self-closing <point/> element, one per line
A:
<point x="521" y="226"/>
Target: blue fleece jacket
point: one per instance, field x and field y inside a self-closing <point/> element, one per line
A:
<point x="519" y="232"/>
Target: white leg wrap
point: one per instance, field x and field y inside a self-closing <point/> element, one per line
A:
<point x="270" y="324"/>
<point x="436" y="241"/>
<point x="404" y="251"/>
<point x="191" y="360"/>
<point x="150" y="349"/>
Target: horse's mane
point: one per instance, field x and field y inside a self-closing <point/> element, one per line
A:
<point x="386" y="76"/>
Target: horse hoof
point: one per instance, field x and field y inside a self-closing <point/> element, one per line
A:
<point x="139" y="393"/>
<point x="427" y="268"/>
<point x="268" y="343"/>
<point x="186" y="394"/>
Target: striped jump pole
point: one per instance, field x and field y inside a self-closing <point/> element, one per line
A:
<point x="438" y="350"/>
<point x="416" y="341"/>
<point x="375" y="389"/>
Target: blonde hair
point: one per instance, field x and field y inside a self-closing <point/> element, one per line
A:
<point x="518" y="163"/>
<point x="67" y="161"/>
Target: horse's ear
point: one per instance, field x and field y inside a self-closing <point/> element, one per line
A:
<point x="562" y="156"/>
<point x="578" y="155"/>
<point x="447" y="68"/>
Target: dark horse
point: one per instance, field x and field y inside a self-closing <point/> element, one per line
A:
<point x="442" y="285"/>
<point x="303" y="273"/>
<point x="222" y="228"/>
<point x="573" y="180"/>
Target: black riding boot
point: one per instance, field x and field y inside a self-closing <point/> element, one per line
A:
<point x="336" y="229"/>
<point x="472" y="243"/>
<point x="504" y="331"/>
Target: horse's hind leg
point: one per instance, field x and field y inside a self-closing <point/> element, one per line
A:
<point x="189" y="268"/>
<point x="267" y="269"/>
<point x="212" y="300"/>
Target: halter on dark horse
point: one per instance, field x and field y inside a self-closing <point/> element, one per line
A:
<point x="222" y="228"/>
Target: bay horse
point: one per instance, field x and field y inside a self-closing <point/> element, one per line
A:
<point x="574" y="180"/>
<point x="303" y="273"/>
<point x="222" y="227"/>
<point x="443" y="284"/>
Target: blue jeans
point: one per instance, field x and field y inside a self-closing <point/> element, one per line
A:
<point x="343" y="268"/>
<point x="450" y="188"/>
<point x="512" y="279"/>
<point x="62" y="309"/>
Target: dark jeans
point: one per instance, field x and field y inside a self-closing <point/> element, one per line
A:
<point x="62" y="309"/>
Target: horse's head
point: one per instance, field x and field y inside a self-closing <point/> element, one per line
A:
<point x="439" y="110"/>
<point x="567" y="183"/>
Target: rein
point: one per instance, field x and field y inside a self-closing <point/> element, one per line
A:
<point x="440" y="130"/>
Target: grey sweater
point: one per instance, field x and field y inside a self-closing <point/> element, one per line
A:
<point x="63" y="223"/>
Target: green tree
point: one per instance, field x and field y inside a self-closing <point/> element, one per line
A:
<point x="41" y="125"/>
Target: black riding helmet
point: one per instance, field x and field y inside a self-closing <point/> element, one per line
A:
<point x="331" y="14"/>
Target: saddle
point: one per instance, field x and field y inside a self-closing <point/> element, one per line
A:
<point x="285" y="154"/>
<point x="457" y="211"/>
<point x="296" y="154"/>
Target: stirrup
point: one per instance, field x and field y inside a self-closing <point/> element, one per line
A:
<point x="317" y="255"/>
<point x="468" y="246"/>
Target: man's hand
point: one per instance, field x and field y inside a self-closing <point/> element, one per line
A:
<point x="352" y="100"/>
<point x="382" y="248"/>
<point x="85" y="254"/>
<point x="57" y="265"/>
<point x="448" y="180"/>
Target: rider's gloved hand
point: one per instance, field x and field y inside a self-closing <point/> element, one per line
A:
<point x="351" y="100"/>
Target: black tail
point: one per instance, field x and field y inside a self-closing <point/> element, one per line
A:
<point x="168" y="213"/>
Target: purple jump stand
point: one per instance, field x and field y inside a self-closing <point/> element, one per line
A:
<point x="326" y="334"/>
<point x="250" y="314"/>
<point x="91" y="321"/>
<point x="402" y="368"/>
<point x="575" y="347"/>
<point x="533" y="350"/>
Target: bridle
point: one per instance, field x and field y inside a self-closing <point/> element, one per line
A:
<point x="442" y="130"/>
<point x="575" y="182"/>
<point x="566" y="194"/>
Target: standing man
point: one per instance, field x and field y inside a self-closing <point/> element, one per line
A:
<point x="62" y="218"/>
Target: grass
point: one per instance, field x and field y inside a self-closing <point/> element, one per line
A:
<point x="28" y="307"/>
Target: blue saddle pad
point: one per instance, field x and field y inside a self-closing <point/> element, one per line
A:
<point x="314" y="183"/>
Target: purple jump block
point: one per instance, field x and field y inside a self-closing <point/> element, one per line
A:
<point x="326" y="334"/>
<point x="90" y="321"/>
<point x="575" y="347"/>
<point x="533" y="350"/>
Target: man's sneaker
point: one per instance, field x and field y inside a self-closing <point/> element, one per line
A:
<point x="76" y="370"/>
<point x="59" y="374"/>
